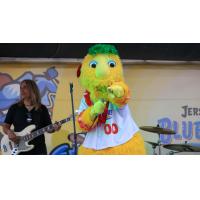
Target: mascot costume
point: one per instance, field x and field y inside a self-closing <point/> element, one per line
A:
<point x="104" y="113"/>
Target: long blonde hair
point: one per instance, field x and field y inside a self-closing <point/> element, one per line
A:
<point x="34" y="93"/>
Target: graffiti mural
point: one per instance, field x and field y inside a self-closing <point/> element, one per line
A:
<point x="63" y="149"/>
<point x="10" y="89"/>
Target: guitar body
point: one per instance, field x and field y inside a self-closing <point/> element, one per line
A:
<point x="10" y="148"/>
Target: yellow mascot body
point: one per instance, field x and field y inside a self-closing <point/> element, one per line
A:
<point x="104" y="113"/>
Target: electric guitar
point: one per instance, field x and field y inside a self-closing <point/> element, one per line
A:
<point x="10" y="148"/>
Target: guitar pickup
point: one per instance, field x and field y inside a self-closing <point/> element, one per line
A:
<point x="5" y="148"/>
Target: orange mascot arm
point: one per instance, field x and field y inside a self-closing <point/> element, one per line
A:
<point x="85" y="121"/>
<point x="119" y="94"/>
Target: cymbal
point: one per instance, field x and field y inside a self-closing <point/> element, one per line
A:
<point x="80" y="139"/>
<point x="152" y="143"/>
<point x="182" y="147"/>
<point x="158" y="130"/>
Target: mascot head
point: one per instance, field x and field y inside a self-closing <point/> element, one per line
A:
<point x="100" y="68"/>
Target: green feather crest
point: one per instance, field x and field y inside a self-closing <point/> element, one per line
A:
<point x="102" y="49"/>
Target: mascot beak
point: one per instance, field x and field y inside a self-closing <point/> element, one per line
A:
<point x="102" y="71"/>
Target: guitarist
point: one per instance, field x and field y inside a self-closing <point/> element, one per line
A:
<point x="27" y="111"/>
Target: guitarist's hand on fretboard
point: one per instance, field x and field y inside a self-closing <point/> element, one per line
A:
<point x="55" y="127"/>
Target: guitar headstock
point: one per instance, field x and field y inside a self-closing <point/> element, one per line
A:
<point x="75" y="113"/>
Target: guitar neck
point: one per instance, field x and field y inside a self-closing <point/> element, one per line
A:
<point x="41" y="131"/>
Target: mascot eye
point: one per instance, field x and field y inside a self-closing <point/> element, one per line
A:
<point x="93" y="64"/>
<point x="112" y="63"/>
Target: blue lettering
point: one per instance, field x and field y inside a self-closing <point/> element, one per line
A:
<point x="187" y="132"/>
<point x="176" y="136"/>
<point x="109" y="112"/>
<point x="197" y="129"/>
<point x="165" y="123"/>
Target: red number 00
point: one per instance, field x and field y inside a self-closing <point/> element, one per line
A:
<point x="108" y="129"/>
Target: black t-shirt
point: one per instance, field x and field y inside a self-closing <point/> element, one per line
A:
<point x="20" y="117"/>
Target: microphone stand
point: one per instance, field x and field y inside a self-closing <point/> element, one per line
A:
<point x="73" y="114"/>
<point x="159" y="142"/>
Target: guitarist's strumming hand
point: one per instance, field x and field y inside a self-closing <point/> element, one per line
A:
<point x="12" y="136"/>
